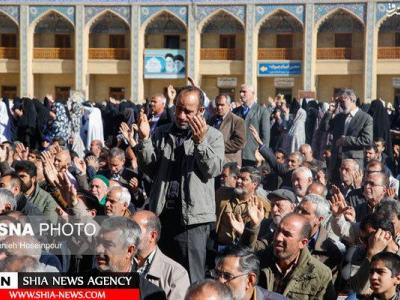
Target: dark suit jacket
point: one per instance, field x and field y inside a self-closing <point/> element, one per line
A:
<point x="166" y="117"/>
<point x="232" y="128"/>
<point x="259" y="117"/>
<point x="126" y="175"/>
<point x="359" y="134"/>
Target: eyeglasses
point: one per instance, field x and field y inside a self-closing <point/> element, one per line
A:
<point x="372" y="184"/>
<point x="224" y="275"/>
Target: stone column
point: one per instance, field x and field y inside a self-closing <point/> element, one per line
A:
<point x="310" y="47"/>
<point x="370" y="54"/>
<point x="251" y="50"/>
<point x="137" y="93"/>
<point x="193" y="45"/>
<point x="25" y="53"/>
<point x="81" y="52"/>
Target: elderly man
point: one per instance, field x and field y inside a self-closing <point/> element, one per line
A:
<point x="117" y="203"/>
<point x="288" y="266"/>
<point x="238" y="268"/>
<point x="285" y="171"/>
<point x="231" y="126"/>
<point x="255" y="116"/>
<point x="7" y="201"/>
<point x="352" y="130"/>
<point x="160" y="113"/>
<point x="117" y="244"/>
<point x="316" y="210"/>
<point x="259" y="232"/>
<point x="301" y="180"/>
<point x="153" y="264"/>
<point x="375" y="187"/>
<point x="99" y="188"/>
<point x="308" y="154"/>
<point x="117" y="170"/>
<point x="183" y="159"/>
<point x="234" y="207"/>
<point x="350" y="181"/>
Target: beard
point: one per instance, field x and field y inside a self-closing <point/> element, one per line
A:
<point x="26" y="187"/>
<point x="240" y="191"/>
<point x="239" y="293"/>
<point x="277" y="220"/>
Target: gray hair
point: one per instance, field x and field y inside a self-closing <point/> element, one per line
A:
<point x="162" y="97"/>
<point x="300" y="156"/>
<point x="352" y="161"/>
<point x="124" y="195"/>
<point x="227" y="97"/>
<point x="248" y="261"/>
<point x="206" y="286"/>
<point x="304" y="170"/>
<point x="130" y="230"/>
<point x="7" y="197"/>
<point x="323" y="208"/>
<point x="347" y="93"/>
<point x="117" y="152"/>
<point x="249" y="87"/>
<point x="388" y="207"/>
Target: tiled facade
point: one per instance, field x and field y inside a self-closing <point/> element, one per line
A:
<point x="366" y="71"/>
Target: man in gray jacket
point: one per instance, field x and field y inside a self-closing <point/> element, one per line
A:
<point x="254" y="115"/>
<point x="183" y="159"/>
<point x="154" y="265"/>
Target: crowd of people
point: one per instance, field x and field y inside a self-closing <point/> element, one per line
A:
<point x="206" y="199"/>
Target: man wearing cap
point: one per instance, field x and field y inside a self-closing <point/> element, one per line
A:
<point x="236" y="204"/>
<point x="99" y="188"/>
<point x="260" y="235"/>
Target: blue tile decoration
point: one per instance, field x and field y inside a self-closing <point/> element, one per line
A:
<point x="79" y="58"/>
<point x="24" y="25"/>
<point x="238" y="11"/>
<point x="135" y="54"/>
<point x="122" y="11"/>
<point x="11" y="11"/>
<point x="383" y="10"/>
<point x="66" y="11"/>
<point x="249" y="58"/>
<point x="369" y="59"/>
<point x="308" y="44"/>
<point x="357" y="9"/>
<point x="192" y="44"/>
<point x="296" y="11"/>
<point x="181" y="12"/>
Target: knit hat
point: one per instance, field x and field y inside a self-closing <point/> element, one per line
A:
<point x="107" y="183"/>
<point x="103" y="178"/>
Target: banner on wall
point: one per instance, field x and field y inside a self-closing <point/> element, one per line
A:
<point x="164" y="63"/>
<point x="278" y="68"/>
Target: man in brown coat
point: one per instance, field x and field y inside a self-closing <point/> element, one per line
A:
<point x="233" y="205"/>
<point x="231" y="126"/>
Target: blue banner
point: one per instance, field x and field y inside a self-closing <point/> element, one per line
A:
<point x="278" y="68"/>
<point x="164" y="63"/>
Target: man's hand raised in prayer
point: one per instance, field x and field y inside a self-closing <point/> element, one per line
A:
<point x="199" y="128"/>
<point x="236" y="223"/>
<point x="143" y="126"/>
